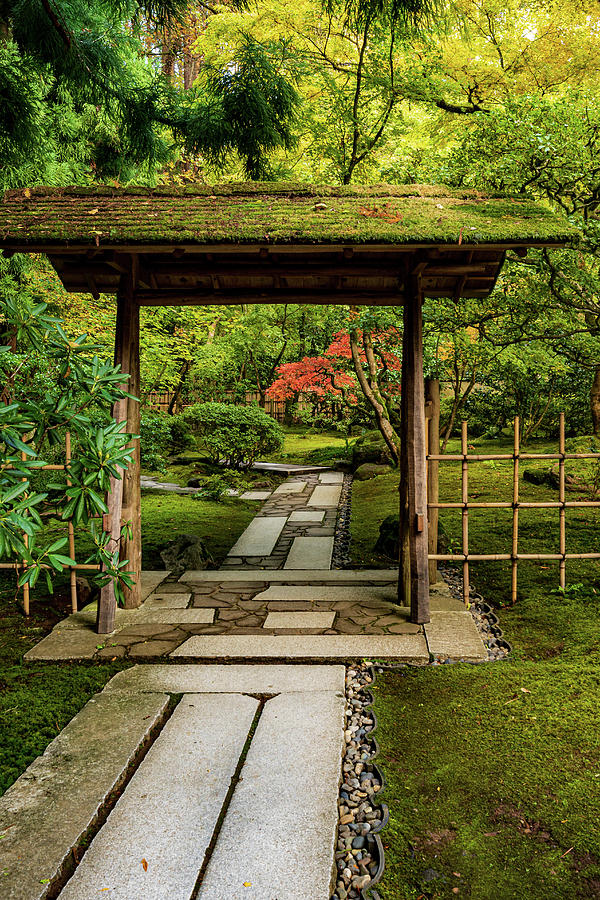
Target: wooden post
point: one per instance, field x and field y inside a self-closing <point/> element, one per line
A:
<point x="562" y="566"/>
<point x="515" y="517"/>
<point x="413" y="588"/>
<point x="124" y="495"/>
<point x="464" y="443"/>
<point x="432" y="394"/>
<point x="70" y="528"/>
<point x="131" y="548"/>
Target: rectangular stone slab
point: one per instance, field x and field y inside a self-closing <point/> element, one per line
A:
<point x="331" y="477"/>
<point x="325" y="496"/>
<point x="290" y="487"/>
<point x="307" y="515"/>
<point x="169" y="810"/>
<point x="67" y="643"/>
<point x="404" y="647"/>
<point x="310" y="553"/>
<point x="326" y="593"/>
<point x="299" y="620"/>
<point x="260" y="537"/>
<point x="48" y="810"/>
<point x="167" y="601"/>
<point x="194" y="616"/>
<point x="231" y="679"/>
<point x="454" y="635"/>
<point x="278" y="576"/>
<point x="255" y="495"/>
<point x="279" y="832"/>
<point x="151" y="579"/>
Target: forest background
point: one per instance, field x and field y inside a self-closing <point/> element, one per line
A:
<point x="500" y="97"/>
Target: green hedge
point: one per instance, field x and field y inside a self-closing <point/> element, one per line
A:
<point x="235" y="435"/>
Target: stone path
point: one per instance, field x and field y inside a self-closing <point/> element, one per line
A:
<point x="219" y="781"/>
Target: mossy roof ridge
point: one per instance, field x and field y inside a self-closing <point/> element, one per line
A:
<point x="285" y="214"/>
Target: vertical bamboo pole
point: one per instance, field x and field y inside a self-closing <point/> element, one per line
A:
<point x="562" y="520"/>
<point x="26" y="542"/>
<point x="413" y="587"/>
<point x="432" y="392"/>
<point x="70" y="528"/>
<point x="515" y="516"/>
<point x="465" y="511"/>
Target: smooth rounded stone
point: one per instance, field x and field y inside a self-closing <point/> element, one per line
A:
<point x="358" y="843"/>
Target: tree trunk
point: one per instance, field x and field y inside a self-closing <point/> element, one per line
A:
<point x="595" y="402"/>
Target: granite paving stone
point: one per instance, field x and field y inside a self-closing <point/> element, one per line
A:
<point x="167" y="601"/>
<point x="290" y="487"/>
<point x="299" y="620"/>
<point x="405" y="647"/>
<point x="260" y="537"/>
<point x="310" y="553"/>
<point x="335" y="576"/>
<point x="331" y="477"/>
<point x="455" y="635"/>
<point x="255" y="495"/>
<point x="280" y="829"/>
<point x="168" y="812"/>
<point x="231" y="679"/>
<point x="325" y="495"/>
<point x="48" y="810"/>
<point x="307" y="515"/>
<point x="195" y="615"/>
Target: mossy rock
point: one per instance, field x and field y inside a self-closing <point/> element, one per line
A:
<point x="388" y="542"/>
<point x="371" y="448"/>
<point x="371" y="470"/>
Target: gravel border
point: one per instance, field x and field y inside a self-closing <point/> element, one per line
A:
<point x="340" y="558"/>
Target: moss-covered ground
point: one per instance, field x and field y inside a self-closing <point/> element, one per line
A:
<point x="493" y="771"/>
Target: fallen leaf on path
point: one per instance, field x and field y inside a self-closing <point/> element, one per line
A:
<point x="145" y="865"/>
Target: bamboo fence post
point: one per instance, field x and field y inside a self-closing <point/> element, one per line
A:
<point x="432" y="391"/>
<point x="26" y="542"/>
<point x="71" y="529"/>
<point x="465" y="511"/>
<point x="515" y="516"/>
<point x="562" y="566"/>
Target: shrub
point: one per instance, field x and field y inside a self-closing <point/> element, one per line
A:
<point x="236" y="435"/>
<point x="155" y="440"/>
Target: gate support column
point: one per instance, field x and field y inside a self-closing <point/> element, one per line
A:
<point x="414" y="567"/>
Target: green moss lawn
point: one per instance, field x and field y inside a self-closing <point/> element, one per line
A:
<point x="493" y="771"/>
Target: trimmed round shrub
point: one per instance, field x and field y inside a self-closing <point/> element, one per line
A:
<point x="234" y="435"/>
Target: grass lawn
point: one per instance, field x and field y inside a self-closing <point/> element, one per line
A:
<point x="304" y="446"/>
<point x="493" y="771"/>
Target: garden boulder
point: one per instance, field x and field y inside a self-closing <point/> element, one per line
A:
<point x="388" y="542"/>
<point x="371" y="448"/>
<point x="186" y="551"/>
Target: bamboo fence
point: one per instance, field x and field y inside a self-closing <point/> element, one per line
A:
<point x="21" y="566"/>
<point x="516" y="504"/>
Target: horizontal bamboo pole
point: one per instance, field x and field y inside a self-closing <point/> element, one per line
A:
<point x="495" y="557"/>
<point x="520" y="504"/>
<point x="87" y="567"/>
<point x="488" y="457"/>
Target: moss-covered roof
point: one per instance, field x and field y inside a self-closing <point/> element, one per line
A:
<point x="275" y="214"/>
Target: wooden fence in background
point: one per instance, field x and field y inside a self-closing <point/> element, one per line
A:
<point x="21" y="566"/>
<point x="274" y="408"/>
<point x="516" y="504"/>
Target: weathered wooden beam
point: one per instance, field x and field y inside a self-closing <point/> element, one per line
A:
<point x="414" y="567"/>
<point x="131" y="547"/>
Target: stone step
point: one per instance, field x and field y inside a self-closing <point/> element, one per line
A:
<point x="331" y="478"/>
<point x="279" y="576"/>
<point x="403" y="647"/>
<point x="260" y="537"/>
<point x="299" y="620"/>
<point x="231" y="679"/>
<point x="278" y="837"/>
<point x="255" y="495"/>
<point x="48" y="810"/>
<point x="290" y="487"/>
<point x="455" y="635"/>
<point x="167" y="815"/>
<point x="310" y="553"/>
<point x="307" y="515"/>
<point x="288" y="468"/>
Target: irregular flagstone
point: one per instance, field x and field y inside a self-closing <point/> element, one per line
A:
<point x="307" y="515"/>
<point x="454" y="635"/>
<point x="331" y="477"/>
<point x="325" y="495"/>
<point x="49" y="809"/>
<point x="299" y="620"/>
<point x="168" y="601"/>
<point x="341" y="576"/>
<point x="259" y="538"/>
<point x="290" y="487"/>
<point x="278" y="837"/>
<point x="169" y="810"/>
<point x="194" y="616"/>
<point x="255" y="495"/>
<point x="404" y="647"/>
<point x="310" y="553"/>
<point x="254" y="679"/>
